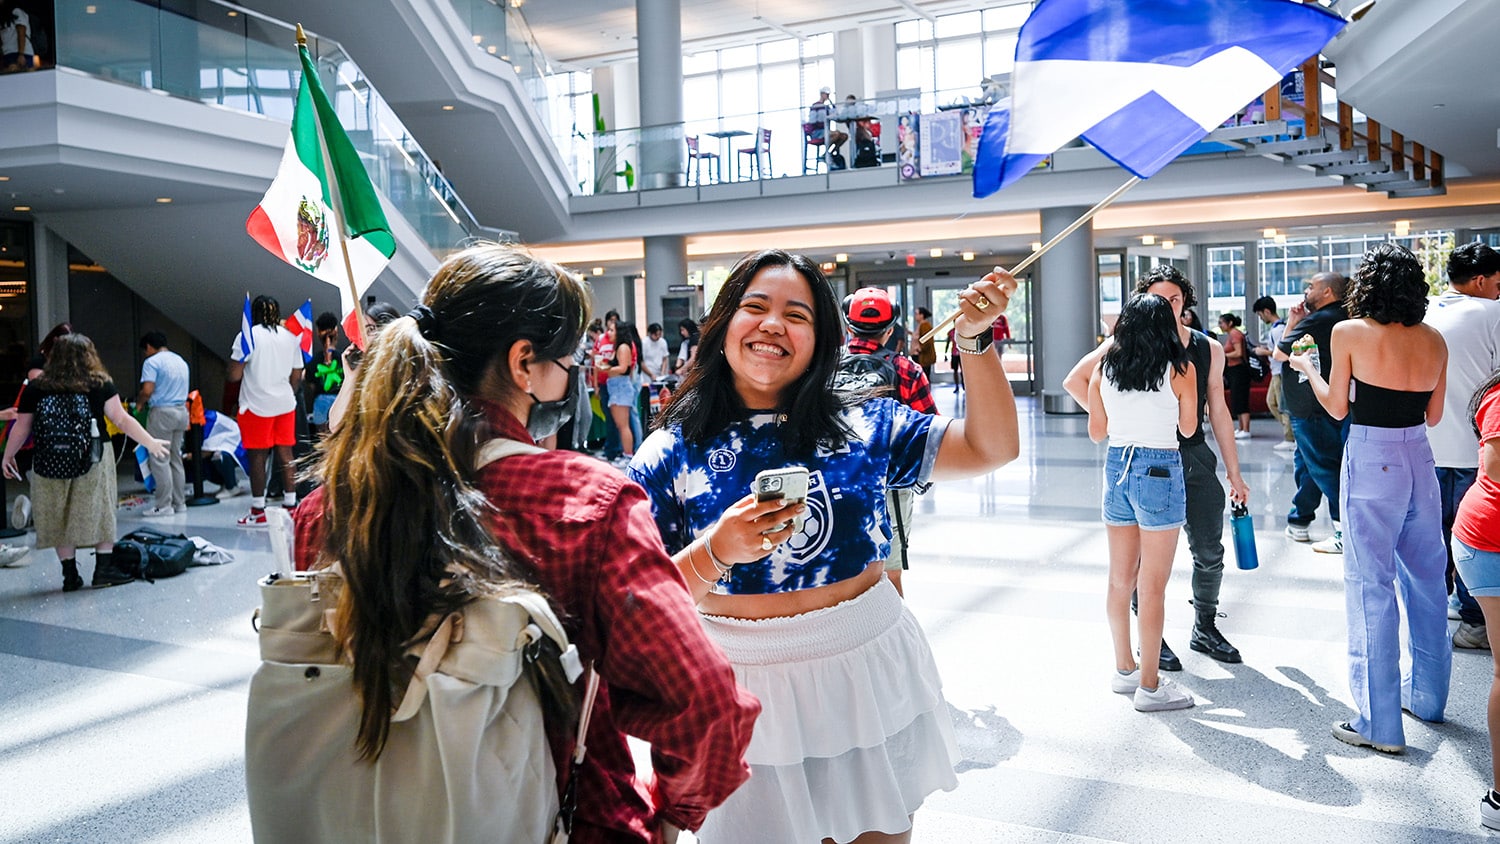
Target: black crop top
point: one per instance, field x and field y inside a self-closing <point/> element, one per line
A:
<point x="1382" y="407"/>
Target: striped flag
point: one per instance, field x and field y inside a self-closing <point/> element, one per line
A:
<point x="321" y="173"/>
<point x="300" y="323"/>
<point x="1140" y="80"/>
<point x="244" y="344"/>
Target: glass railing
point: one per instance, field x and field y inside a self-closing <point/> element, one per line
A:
<point x="500" y="30"/>
<point x="228" y="56"/>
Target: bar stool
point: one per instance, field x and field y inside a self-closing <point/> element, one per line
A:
<point x="696" y="159"/>
<point x="812" y="147"/>
<point x="762" y="147"/>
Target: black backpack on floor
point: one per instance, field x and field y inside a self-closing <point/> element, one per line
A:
<point x="149" y="554"/>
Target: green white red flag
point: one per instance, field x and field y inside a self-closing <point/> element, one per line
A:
<point x="295" y="221"/>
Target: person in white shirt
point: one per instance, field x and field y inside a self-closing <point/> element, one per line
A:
<point x="654" y="353"/>
<point x="1265" y="308"/>
<point x="1468" y="317"/>
<point x="268" y="367"/>
<point x="16" y="51"/>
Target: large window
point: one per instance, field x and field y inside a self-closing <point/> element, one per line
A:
<point x="572" y="105"/>
<point x="948" y="59"/>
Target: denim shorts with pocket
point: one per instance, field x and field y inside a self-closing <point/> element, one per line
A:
<point x="1480" y="569"/>
<point x="1144" y="486"/>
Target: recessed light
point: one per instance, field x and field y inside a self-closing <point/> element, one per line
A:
<point x="479" y="39"/>
<point x="936" y="253"/>
<point x="828" y="266"/>
<point x="89" y="10"/>
<point x="233" y="13"/>
<point x="842" y="257"/>
<point x="1036" y="246"/>
<point x="21" y="208"/>
<point x="491" y="50"/>
<point x="1169" y="244"/>
<point x="447" y="108"/>
<point x="4" y="178"/>
<point x="1403" y="228"/>
<point x="505" y="58"/>
<point x="164" y="200"/>
<point x="968" y="256"/>
<point x="518" y="68"/>
<point x="1148" y="239"/>
<point x="1268" y="233"/>
<point x="598" y="271"/>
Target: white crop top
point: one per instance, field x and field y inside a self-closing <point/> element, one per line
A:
<point x="1146" y="418"/>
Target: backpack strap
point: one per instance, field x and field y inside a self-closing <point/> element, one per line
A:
<point x="500" y="448"/>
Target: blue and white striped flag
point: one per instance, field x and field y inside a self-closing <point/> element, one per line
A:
<point x="1141" y="80"/>
<point x="244" y="344"/>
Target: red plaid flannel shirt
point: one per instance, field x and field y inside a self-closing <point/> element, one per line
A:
<point x="589" y="536"/>
<point x="912" y="387"/>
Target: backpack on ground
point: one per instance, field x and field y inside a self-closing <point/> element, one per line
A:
<point x="466" y="758"/>
<point x="66" y="436"/>
<point x="149" y="554"/>
<point x="872" y="372"/>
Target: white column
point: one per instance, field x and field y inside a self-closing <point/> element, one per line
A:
<point x="1065" y="302"/>
<point x="659" y="47"/>
<point x="49" y="256"/>
<point x="666" y="264"/>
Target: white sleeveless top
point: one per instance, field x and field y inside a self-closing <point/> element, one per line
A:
<point x="1144" y="418"/>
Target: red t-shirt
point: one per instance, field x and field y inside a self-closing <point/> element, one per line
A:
<point x="1478" y="519"/>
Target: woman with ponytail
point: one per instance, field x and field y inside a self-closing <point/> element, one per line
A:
<point x="417" y="531"/>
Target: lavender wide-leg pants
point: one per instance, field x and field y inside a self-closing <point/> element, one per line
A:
<point x="1393" y="533"/>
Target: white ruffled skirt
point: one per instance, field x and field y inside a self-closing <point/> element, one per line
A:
<point x="853" y="733"/>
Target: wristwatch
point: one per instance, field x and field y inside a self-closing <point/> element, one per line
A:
<point x="974" y="345"/>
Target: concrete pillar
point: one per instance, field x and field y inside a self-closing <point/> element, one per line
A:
<point x="1065" y="318"/>
<point x="659" y="40"/>
<point x="666" y="264"/>
<point x="49" y="257"/>
<point x="849" y="64"/>
<point x="880" y="73"/>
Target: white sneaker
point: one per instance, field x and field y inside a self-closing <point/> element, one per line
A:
<point x="1298" y="533"/>
<point x="1332" y="545"/>
<point x="14" y="556"/>
<point x="233" y="492"/>
<point x="20" y="513"/>
<point x="1242" y="435"/>
<point x="1453" y="608"/>
<point x="1489" y="811"/>
<point x="157" y="512"/>
<point x="1125" y="684"/>
<point x="1285" y="446"/>
<point x="1168" y="695"/>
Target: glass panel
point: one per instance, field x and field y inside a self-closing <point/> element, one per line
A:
<point x="963" y="23"/>
<point x="778" y="51"/>
<point x="958" y="64"/>
<point x="818" y="45"/>
<point x="737" y="57"/>
<point x="999" y="54"/>
<point x="906" y="32"/>
<point x="1006" y="17"/>
<point x="700" y="63"/>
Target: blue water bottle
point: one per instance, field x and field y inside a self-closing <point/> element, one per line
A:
<point x="1243" y="528"/>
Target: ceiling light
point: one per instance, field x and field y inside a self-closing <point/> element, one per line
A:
<point x="491" y="50"/>
<point x="1268" y="233"/>
<point x="1403" y="228"/>
<point x="233" y="13"/>
<point x="598" y="271"/>
<point x="842" y="257"/>
<point x="968" y="256"/>
<point x="4" y="178"/>
<point x="164" y="200"/>
<point x="828" y="266"/>
<point x="21" y="208"/>
<point x="479" y="39"/>
<point x="89" y="10"/>
<point x="1169" y="244"/>
<point x="936" y="253"/>
<point x="447" y="108"/>
<point x="505" y="58"/>
<point x="1148" y="239"/>
<point x="518" y="68"/>
<point x="1036" y="246"/>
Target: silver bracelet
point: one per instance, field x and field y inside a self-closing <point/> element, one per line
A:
<point x="708" y="546"/>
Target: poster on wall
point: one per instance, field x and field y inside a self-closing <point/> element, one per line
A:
<point x="941" y="150"/>
<point x="908" y="140"/>
<point x="971" y="123"/>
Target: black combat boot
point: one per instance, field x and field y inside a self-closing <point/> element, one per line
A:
<point x="71" y="580"/>
<point x="1207" y="638"/>
<point x="105" y="572"/>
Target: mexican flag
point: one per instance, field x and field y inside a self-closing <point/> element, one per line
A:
<point x="320" y="171"/>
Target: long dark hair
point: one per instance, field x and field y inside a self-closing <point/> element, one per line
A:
<point x="1146" y="341"/>
<point x="401" y="510"/>
<point x="73" y="366"/>
<point x="1490" y="383"/>
<point x="626" y="335"/>
<point x="1388" y="287"/>
<point x="707" y="401"/>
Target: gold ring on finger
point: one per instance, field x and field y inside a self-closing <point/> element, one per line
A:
<point x="765" y="543"/>
<point x="982" y="303"/>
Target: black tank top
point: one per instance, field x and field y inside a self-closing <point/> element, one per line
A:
<point x="1202" y="357"/>
<point x="1382" y="407"/>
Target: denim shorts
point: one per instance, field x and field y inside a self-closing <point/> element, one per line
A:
<point x="1144" y="486"/>
<point x="621" y="391"/>
<point x="1479" y="569"/>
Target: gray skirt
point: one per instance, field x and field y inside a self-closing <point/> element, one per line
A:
<point x="76" y="512"/>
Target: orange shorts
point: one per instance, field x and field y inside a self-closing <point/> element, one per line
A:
<point x="267" y="431"/>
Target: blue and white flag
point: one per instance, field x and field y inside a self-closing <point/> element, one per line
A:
<point x="245" y="343"/>
<point x="1140" y="80"/>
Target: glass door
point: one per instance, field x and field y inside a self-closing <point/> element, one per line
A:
<point x="1016" y="353"/>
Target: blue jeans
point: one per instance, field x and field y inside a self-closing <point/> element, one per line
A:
<point x="1392" y="534"/>
<point x="1144" y="486"/>
<point x="1452" y="484"/>
<point x="1320" y="448"/>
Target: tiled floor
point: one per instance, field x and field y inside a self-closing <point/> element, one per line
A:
<point x="121" y="710"/>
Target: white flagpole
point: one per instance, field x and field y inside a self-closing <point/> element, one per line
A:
<point x="1056" y="239"/>
<point x="337" y="204"/>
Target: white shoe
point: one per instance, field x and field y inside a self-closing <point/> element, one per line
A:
<point x="1285" y="446"/>
<point x="1242" y="435"/>
<point x="1332" y="545"/>
<point x="1168" y="695"/>
<point x="14" y="556"/>
<point x="233" y="492"/>
<point x="1125" y="684"/>
<point x="1489" y="812"/>
<point x="1298" y="533"/>
<point x="20" y="513"/>
<point x="157" y="512"/>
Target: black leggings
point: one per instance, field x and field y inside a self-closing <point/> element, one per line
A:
<point x="1237" y="380"/>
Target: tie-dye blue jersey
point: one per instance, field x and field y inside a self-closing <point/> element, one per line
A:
<point x="692" y="484"/>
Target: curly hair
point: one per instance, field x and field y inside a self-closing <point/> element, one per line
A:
<point x="1388" y="287"/>
<point x="1166" y="272"/>
<point x="73" y="366"/>
<point x="1146" y="340"/>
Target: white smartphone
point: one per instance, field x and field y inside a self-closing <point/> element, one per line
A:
<point x="788" y="484"/>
